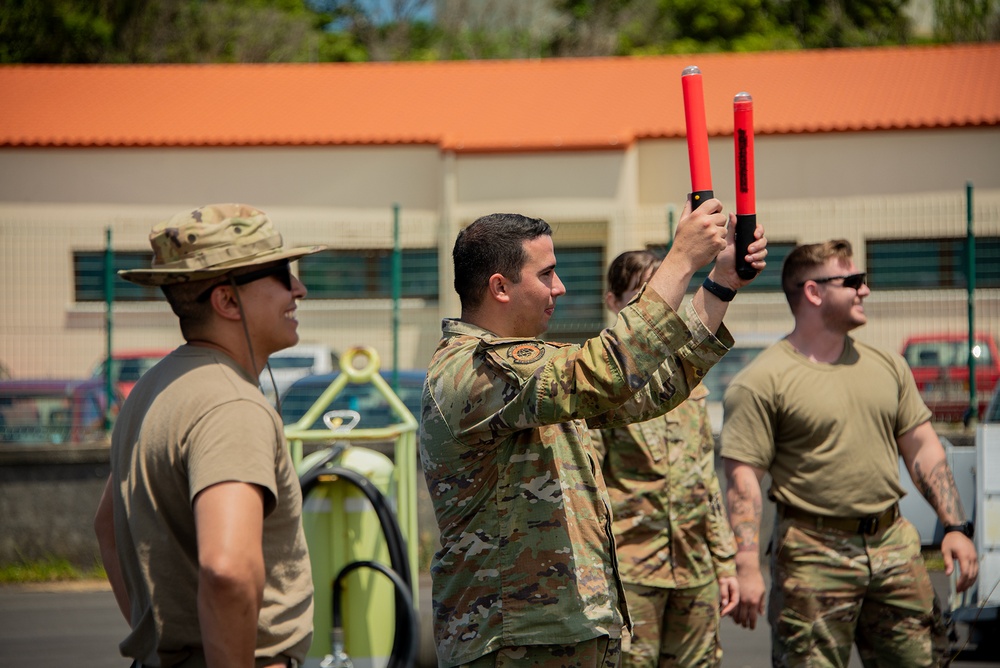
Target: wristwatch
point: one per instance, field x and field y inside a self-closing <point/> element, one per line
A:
<point x="720" y="291"/>
<point x="968" y="528"/>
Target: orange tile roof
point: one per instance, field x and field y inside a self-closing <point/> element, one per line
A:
<point x="552" y="104"/>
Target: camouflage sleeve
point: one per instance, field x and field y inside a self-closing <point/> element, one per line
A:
<point x="554" y="383"/>
<point x="674" y="379"/>
<point x="600" y="448"/>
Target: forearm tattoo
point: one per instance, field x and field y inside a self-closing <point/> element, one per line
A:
<point x="744" y="515"/>
<point x="938" y="487"/>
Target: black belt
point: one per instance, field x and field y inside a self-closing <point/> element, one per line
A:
<point x="289" y="661"/>
<point x="866" y="526"/>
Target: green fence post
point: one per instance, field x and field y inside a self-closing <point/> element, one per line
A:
<point x="397" y="290"/>
<point x="670" y="226"/>
<point x="109" y="300"/>
<point x="970" y="248"/>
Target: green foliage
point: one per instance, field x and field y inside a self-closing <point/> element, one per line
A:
<point x="264" y="31"/>
<point x="340" y="47"/>
<point x="967" y="20"/>
<point x="47" y="570"/>
<point x="53" y="31"/>
<point x="159" y="31"/>
<point x="844" y="23"/>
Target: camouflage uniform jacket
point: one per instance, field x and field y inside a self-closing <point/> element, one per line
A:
<point x="669" y="521"/>
<point x="527" y="555"/>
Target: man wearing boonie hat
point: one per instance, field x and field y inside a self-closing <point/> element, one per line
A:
<point x="200" y="523"/>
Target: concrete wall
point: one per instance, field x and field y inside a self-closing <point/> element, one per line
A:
<point x="48" y="497"/>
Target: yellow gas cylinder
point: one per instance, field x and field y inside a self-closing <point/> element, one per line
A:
<point x="341" y="527"/>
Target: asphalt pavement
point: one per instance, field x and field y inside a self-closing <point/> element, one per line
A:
<point x="79" y="625"/>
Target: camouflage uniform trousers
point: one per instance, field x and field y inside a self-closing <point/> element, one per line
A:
<point x="831" y="589"/>
<point x="602" y="652"/>
<point x="673" y="627"/>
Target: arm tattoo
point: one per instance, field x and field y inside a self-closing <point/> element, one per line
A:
<point x="744" y="513"/>
<point x="938" y="487"/>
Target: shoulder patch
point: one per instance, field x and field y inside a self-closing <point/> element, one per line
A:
<point x="525" y="353"/>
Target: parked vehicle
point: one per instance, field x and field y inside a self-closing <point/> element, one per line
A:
<point x="36" y="411"/>
<point x="128" y="365"/>
<point x="979" y="606"/>
<point x="993" y="410"/>
<point x="52" y="411"/>
<point x="940" y="366"/>
<point x="363" y="398"/>
<point x="293" y="363"/>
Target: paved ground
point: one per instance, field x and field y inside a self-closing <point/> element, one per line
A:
<point x="79" y="625"/>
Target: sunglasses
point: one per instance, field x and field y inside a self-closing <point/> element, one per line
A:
<point x="853" y="281"/>
<point x="282" y="271"/>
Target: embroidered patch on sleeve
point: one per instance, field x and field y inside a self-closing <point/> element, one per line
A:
<point x="525" y="353"/>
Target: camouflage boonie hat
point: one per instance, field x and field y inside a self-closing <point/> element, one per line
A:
<point x="211" y="241"/>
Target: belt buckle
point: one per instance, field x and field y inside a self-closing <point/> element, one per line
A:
<point x="868" y="525"/>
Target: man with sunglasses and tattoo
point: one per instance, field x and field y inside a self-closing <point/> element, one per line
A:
<point x="828" y="417"/>
<point x="200" y="523"/>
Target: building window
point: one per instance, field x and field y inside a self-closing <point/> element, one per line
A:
<point x="88" y="277"/>
<point x="367" y="274"/>
<point x="930" y="263"/>
<point x="767" y="281"/>
<point x="579" y="313"/>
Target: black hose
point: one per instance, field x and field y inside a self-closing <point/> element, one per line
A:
<point x="393" y="536"/>
<point x="395" y="544"/>
<point x="406" y="657"/>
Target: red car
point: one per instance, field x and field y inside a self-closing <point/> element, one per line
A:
<point x="128" y="365"/>
<point x="941" y="368"/>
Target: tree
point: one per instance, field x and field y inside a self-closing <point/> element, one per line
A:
<point x="49" y="31"/>
<point x="160" y="31"/>
<point x="196" y="31"/>
<point x="495" y="29"/>
<point x="967" y="20"/>
<point x="723" y="25"/>
<point x="843" y="23"/>
<point x="384" y="29"/>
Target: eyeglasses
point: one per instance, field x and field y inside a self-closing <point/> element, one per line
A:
<point x="853" y="281"/>
<point x="282" y="271"/>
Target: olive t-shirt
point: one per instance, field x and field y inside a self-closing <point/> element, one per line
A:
<point x="195" y="420"/>
<point x="825" y="432"/>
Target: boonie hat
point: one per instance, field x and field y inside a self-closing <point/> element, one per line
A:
<point x="211" y="241"/>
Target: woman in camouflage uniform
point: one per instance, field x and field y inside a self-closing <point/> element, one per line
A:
<point x="675" y="546"/>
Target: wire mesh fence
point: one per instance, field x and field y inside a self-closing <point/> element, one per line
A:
<point x="927" y="281"/>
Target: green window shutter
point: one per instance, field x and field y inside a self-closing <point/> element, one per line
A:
<point x="580" y="310"/>
<point x="88" y="277"/>
<point x="768" y="281"/>
<point x="930" y="263"/>
<point x="367" y="274"/>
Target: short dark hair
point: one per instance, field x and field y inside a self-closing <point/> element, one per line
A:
<point x="492" y="244"/>
<point x="184" y="302"/>
<point x="804" y="259"/>
<point x="628" y="269"/>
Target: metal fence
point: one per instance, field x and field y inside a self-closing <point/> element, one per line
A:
<point x="917" y="250"/>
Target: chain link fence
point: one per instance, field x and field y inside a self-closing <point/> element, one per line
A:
<point x="53" y="315"/>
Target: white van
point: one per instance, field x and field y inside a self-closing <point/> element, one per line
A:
<point x="287" y="366"/>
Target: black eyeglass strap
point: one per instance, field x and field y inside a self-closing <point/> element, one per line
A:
<point x="283" y="268"/>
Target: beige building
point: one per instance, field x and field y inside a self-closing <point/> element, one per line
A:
<point x="873" y="145"/>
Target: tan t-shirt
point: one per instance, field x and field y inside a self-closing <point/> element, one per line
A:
<point x="825" y="432"/>
<point x="194" y="420"/>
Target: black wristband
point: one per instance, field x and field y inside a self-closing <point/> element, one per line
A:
<point x="720" y="291"/>
<point x="968" y="528"/>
